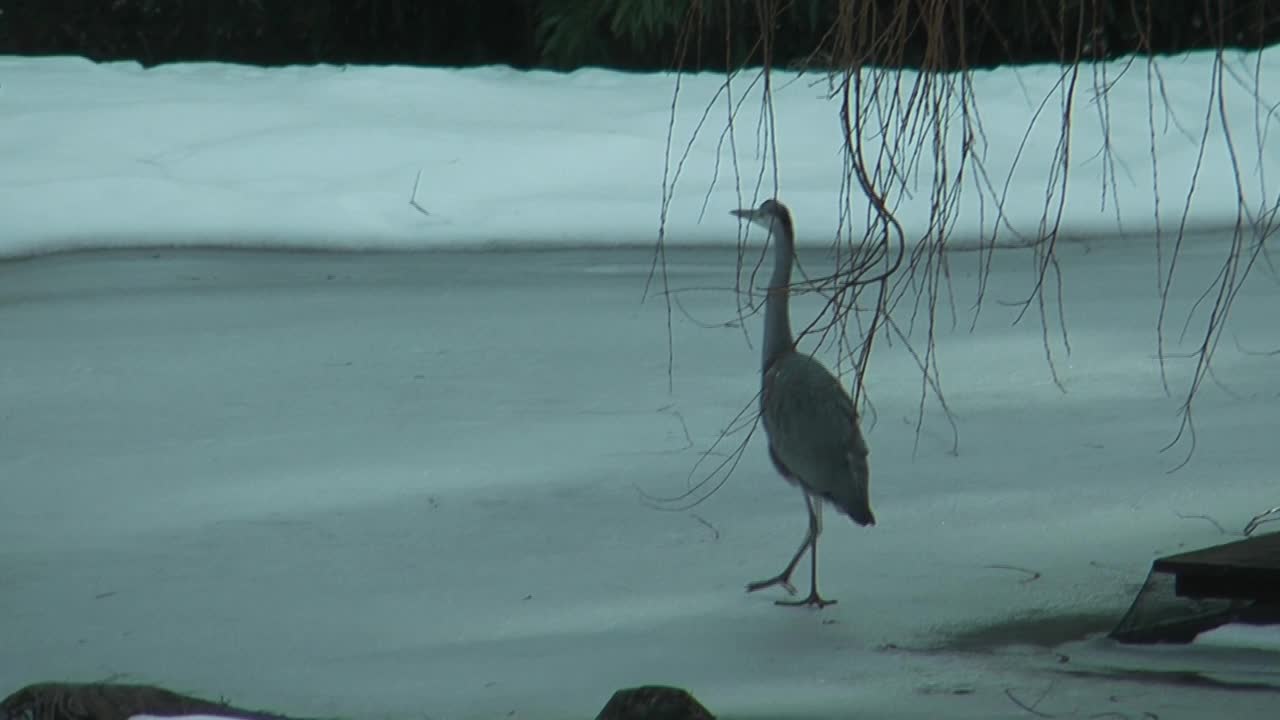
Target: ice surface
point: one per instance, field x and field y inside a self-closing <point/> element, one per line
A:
<point x="396" y="485"/>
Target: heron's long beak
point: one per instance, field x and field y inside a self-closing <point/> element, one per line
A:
<point x="745" y="214"/>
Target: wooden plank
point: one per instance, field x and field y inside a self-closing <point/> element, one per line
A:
<point x="1228" y="587"/>
<point x="1247" y="569"/>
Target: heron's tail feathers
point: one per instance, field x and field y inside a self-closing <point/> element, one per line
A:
<point x="854" y="498"/>
<point x="861" y="514"/>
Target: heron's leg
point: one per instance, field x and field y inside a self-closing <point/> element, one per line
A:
<point x="810" y="538"/>
<point x="814" y="599"/>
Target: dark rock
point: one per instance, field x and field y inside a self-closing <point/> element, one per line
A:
<point x="653" y="702"/>
<point x="108" y="701"/>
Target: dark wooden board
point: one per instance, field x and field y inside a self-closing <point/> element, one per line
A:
<point x="1247" y="569"/>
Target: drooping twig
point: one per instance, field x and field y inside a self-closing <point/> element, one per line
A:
<point x="1262" y="519"/>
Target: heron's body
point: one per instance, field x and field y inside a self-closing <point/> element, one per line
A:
<point x="813" y="433"/>
<point x="809" y="418"/>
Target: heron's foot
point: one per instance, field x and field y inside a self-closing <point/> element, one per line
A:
<point x="784" y="580"/>
<point x="814" y="600"/>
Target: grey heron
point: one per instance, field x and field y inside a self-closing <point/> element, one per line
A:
<point x="810" y="420"/>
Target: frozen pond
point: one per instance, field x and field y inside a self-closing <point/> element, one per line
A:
<point x="405" y="486"/>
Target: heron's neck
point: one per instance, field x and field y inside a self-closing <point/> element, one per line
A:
<point x="777" y="315"/>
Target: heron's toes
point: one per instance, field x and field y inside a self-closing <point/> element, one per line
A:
<point x="814" y="600"/>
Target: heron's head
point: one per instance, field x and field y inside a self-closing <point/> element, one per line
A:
<point x="771" y="215"/>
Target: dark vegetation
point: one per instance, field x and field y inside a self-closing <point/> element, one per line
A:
<point x="627" y="34"/>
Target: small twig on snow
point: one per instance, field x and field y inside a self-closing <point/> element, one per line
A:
<point x="715" y="534"/>
<point x="1029" y="708"/>
<point x="1207" y="519"/>
<point x="413" y="196"/>
<point x="1032" y="575"/>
